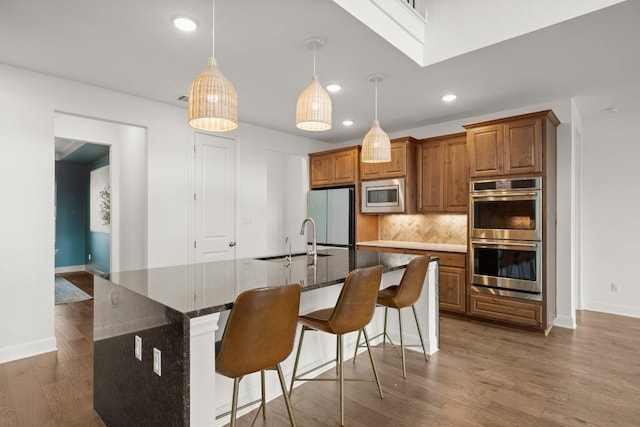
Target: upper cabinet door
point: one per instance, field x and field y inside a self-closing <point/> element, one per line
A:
<point x="430" y="182"/>
<point x="523" y="146"/>
<point x="486" y="150"/>
<point x="443" y="170"/>
<point x="321" y="170"/>
<point x="345" y="166"/>
<point x="456" y="174"/>
<point x="396" y="168"/>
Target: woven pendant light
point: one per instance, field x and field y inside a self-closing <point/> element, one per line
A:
<point x="376" y="147"/>
<point x="213" y="102"/>
<point x="313" y="110"/>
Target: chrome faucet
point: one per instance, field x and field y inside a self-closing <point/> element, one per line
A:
<point x="314" y="248"/>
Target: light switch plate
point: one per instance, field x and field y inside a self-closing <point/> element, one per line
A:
<point x="137" y="350"/>
<point x="157" y="362"/>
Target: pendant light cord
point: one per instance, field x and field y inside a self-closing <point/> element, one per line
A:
<point x="314" y="60"/>
<point x="375" y="111"/>
<point x="213" y="28"/>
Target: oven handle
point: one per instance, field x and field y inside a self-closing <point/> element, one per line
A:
<point x="495" y="244"/>
<point x="509" y="194"/>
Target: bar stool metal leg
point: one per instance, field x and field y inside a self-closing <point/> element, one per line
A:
<point x="384" y="329"/>
<point x="295" y="365"/>
<point x="264" y="399"/>
<point x="404" y="369"/>
<point x="355" y="352"/>
<point x="373" y="363"/>
<point x="285" y="395"/>
<point x="341" y="374"/>
<point x="415" y="315"/>
<point x="234" y="402"/>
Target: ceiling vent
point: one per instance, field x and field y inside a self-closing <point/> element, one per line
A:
<point x="183" y="98"/>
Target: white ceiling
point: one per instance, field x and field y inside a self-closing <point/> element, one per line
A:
<point x="132" y="47"/>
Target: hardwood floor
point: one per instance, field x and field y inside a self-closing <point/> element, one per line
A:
<point x="484" y="375"/>
<point x="55" y="389"/>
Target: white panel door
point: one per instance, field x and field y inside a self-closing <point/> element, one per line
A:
<point x="214" y="198"/>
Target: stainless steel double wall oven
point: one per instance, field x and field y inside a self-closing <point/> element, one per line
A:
<point x="506" y="237"/>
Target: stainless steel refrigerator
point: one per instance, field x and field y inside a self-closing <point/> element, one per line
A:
<point x="333" y="210"/>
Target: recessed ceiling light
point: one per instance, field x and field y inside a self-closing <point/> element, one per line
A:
<point x="334" y="87"/>
<point x="449" y="97"/>
<point x="347" y="122"/>
<point x="185" y="23"/>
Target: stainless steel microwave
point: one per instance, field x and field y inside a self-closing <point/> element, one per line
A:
<point x="383" y="196"/>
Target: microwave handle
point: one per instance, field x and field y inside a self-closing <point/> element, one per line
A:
<point x="510" y="194"/>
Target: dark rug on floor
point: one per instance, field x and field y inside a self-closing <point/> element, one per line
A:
<point x="67" y="292"/>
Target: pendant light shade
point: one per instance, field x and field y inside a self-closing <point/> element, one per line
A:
<point x="376" y="146"/>
<point x="213" y="102"/>
<point x="313" y="110"/>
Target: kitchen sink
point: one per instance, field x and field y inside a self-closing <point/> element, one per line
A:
<point x="280" y="258"/>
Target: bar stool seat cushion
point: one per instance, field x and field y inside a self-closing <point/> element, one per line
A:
<point x="387" y="297"/>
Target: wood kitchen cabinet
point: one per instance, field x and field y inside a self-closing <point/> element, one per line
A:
<point x="510" y="146"/>
<point x="527" y="313"/>
<point x="443" y="169"/>
<point x="453" y="286"/>
<point x="333" y="168"/>
<point x="402" y="162"/>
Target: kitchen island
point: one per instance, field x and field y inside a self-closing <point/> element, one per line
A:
<point x="175" y="311"/>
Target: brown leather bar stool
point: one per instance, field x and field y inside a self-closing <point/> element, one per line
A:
<point x="259" y="335"/>
<point x="400" y="296"/>
<point x="352" y="312"/>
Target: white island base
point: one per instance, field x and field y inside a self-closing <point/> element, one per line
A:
<point x="210" y="393"/>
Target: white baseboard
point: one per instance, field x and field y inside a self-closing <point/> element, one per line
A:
<point x="75" y="268"/>
<point x="563" y="321"/>
<point x="621" y="310"/>
<point x="70" y="269"/>
<point x="33" y="348"/>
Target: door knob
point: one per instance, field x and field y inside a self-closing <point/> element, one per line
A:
<point x="232" y="244"/>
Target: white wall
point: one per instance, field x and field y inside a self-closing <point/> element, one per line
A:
<point x="254" y="211"/>
<point x="610" y="210"/>
<point x="287" y="187"/>
<point x="27" y="188"/>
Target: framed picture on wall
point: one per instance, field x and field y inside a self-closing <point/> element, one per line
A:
<point x="100" y="200"/>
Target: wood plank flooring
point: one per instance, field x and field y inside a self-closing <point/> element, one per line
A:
<point x="484" y="375"/>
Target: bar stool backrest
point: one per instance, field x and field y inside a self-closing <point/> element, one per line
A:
<point x="412" y="281"/>
<point x="260" y="330"/>
<point x="357" y="300"/>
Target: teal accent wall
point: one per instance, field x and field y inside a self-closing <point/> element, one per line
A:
<point x="98" y="244"/>
<point x="72" y="195"/>
<point x="74" y="239"/>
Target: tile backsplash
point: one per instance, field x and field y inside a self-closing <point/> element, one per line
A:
<point x="430" y="228"/>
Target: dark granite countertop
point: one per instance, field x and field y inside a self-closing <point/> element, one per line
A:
<point x="200" y="289"/>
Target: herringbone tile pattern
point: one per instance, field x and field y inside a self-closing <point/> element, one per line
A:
<point x="432" y="228"/>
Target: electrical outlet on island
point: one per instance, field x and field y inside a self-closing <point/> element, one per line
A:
<point x="157" y="362"/>
<point x="137" y="349"/>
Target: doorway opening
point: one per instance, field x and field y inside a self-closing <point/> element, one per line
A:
<point x="82" y="207"/>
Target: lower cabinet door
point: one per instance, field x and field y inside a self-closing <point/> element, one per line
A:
<point x="452" y="289"/>
<point x="522" y="312"/>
